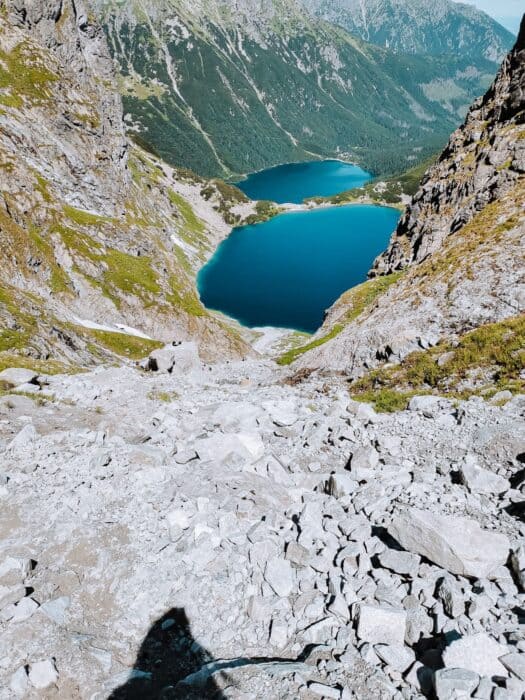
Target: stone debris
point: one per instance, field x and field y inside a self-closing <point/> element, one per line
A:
<point x="515" y="663"/>
<point x="279" y="574"/>
<point x="455" y="683"/>
<point x="287" y="523"/>
<point x="17" y="376"/>
<point x="478" y="653"/>
<point x="381" y="625"/>
<point x="459" y="545"/>
<point x="399" y="562"/>
<point x="42" y="674"/>
<point x="479" y="480"/>
<point x="178" y="358"/>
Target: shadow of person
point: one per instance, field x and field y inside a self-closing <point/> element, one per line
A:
<point x="167" y="656"/>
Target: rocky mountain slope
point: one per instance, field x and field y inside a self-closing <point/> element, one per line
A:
<point x="216" y="532"/>
<point x="188" y="530"/>
<point x="96" y="235"/>
<point x="222" y="87"/>
<point x="454" y="263"/>
<point x="431" y="27"/>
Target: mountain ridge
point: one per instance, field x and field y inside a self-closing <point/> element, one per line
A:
<point x="429" y="27"/>
<point x="219" y="86"/>
<point x="454" y="262"/>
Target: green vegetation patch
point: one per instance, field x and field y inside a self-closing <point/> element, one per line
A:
<point x="10" y="359"/>
<point x="264" y="210"/>
<point x="81" y="217"/>
<point x="294" y="353"/>
<point x="355" y="301"/>
<point x="228" y="196"/>
<point x="131" y="274"/>
<point x="494" y="352"/>
<point x="404" y="183"/>
<point x="193" y="229"/>
<point x="24" y="76"/>
<point x="129" y="346"/>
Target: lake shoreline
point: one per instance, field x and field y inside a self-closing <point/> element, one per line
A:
<point x="285" y="272"/>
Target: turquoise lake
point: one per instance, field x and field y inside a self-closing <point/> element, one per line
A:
<point x="294" y="182"/>
<point x="287" y="271"/>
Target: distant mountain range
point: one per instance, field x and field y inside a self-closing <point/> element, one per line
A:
<point x="433" y="27"/>
<point x="227" y="87"/>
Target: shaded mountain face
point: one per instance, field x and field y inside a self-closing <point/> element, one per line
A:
<point x="455" y="261"/>
<point x="225" y="87"/>
<point x="433" y="27"/>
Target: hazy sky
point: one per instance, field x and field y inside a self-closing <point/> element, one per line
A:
<point x="502" y="10"/>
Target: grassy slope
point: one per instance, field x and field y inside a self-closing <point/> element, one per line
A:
<point x="481" y="363"/>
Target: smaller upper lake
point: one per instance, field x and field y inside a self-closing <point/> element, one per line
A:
<point x="287" y="271"/>
<point x="294" y="182"/>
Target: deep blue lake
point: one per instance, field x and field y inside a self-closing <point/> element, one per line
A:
<point x="294" y="182"/>
<point x="287" y="271"/>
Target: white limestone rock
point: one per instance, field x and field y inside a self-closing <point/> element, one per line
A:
<point x="280" y="576"/>
<point x="478" y="653"/>
<point x="24" y="609"/>
<point x="221" y="447"/>
<point x="479" y="480"/>
<point x="341" y="485"/>
<point x="396" y="656"/>
<point x="282" y="413"/>
<point x="19" y="683"/>
<point x="14" y="570"/>
<point x="15" y="376"/>
<point x="515" y="663"/>
<point x="399" y="562"/>
<point x="179" y="359"/>
<point x="364" y="462"/>
<point x="26" y="437"/>
<point x="458" y="545"/>
<point x="324" y="691"/>
<point x="56" y="609"/>
<point x="452" y="598"/>
<point x="381" y="625"/>
<point x="455" y="682"/>
<point x="430" y="406"/>
<point x="42" y="674"/>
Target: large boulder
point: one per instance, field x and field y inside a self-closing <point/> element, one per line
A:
<point x="16" y="376"/>
<point x="178" y="358"/>
<point x="458" y="545"/>
<point x="478" y="653"/>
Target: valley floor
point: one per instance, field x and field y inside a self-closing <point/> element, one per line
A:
<point x="225" y="531"/>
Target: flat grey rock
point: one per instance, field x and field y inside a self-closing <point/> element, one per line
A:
<point x="381" y="625"/>
<point x="515" y="663"/>
<point x="400" y="562"/>
<point x="478" y="653"/>
<point x="451" y="683"/>
<point x="458" y="545"/>
<point x="15" y="376"/>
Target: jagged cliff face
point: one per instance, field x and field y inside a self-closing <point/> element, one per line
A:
<point x="92" y="229"/>
<point x="226" y="87"/>
<point x="432" y="27"/>
<point x="456" y="259"/>
<point x="482" y="162"/>
<point x="65" y="111"/>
